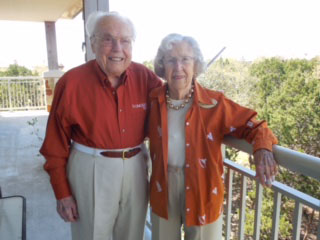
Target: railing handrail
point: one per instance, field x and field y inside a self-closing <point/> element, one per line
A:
<point x="282" y="188"/>
<point x="305" y="164"/>
<point x="21" y="77"/>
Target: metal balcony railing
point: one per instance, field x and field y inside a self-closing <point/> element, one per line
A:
<point x="302" y="163"/>
<point x="298" y="162"/>
<point x="22" y="93"/>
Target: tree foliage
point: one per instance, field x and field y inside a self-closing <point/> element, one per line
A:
<point x="233" y="78"/>
<point x="17" y="70"/>
<point x="286" y="93"/>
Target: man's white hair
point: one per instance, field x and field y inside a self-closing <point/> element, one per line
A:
<point x="95" y="17"/>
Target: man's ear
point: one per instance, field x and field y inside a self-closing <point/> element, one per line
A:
<point x="93" y="47"/>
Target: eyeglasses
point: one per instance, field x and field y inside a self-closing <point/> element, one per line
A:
<point x="185" y="61"/>
<point x="108" y="41"/>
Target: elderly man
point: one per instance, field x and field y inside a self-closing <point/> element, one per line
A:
<point x="94" y="140"/>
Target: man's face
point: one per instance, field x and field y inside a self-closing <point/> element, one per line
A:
<point x="112" y="45"/>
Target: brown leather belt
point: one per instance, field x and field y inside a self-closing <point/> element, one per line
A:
<point x="122" y="154"/>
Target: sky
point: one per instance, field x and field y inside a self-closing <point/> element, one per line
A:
<point x="249" y="29"/>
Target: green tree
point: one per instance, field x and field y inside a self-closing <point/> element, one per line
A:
<point x="16" y="70"/>
<point x="233" y="78"/>
<point x="149" y="64"/>
<point x="289" y="97"/>
<point x="16" y="87"/>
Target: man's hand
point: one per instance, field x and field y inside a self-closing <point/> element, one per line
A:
<point x="67" y="209"/>
<point x="266" y="167"/>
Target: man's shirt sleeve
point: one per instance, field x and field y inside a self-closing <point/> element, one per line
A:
<point x="56" y="145"/>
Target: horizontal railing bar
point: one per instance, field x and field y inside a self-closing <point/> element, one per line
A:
<point x="282" y="188"/>
<point x="22" y="108"/>
<point x="21" y="78"/>
<point x="305" y="164"/>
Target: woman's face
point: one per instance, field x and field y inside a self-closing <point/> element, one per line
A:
<point x="179" y="66"/>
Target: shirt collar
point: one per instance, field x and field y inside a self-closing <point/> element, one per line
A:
<point x="201" y="95"/>
<point x="103" y="78"/>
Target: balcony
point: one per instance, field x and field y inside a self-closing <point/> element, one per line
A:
<point x="21" y="173"/>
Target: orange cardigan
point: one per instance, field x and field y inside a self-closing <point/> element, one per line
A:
<point x="210" y="118"/>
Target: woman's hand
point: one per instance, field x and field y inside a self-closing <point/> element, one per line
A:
<point x="266" y="167"/>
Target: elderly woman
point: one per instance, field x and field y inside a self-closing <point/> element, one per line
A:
<point x="187" y="125"/>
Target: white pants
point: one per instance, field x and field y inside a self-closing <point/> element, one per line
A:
<point x="170" y="229"/>
<point x="111" y="196"/>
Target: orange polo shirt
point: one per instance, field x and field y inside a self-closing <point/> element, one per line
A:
<point x="211" y="117"/>
<point x="86" y="109"/>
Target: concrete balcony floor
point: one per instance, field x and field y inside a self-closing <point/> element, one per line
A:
<point x="21" y="173"/>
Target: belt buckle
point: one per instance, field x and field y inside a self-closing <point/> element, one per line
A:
<point x="124" y="154"/>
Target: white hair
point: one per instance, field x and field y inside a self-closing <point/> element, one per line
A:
<point x="95" y="17"/>
<point x="167" y="44"/>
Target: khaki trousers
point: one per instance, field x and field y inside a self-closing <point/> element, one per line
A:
<point x="170" y="229"/>
<point x="111" y="195"/>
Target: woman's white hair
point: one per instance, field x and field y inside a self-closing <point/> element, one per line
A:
<point x="95" y="17"/>
<point x="167" y="44"/>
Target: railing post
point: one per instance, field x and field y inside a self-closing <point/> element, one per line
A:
<point x="257" y="217"/>
<point x="229" y="203"/>
<point x="9" y="94"/>
<point x="228" y="184"/>
<point x="318" y="235"/>
<point x="276" y="215"/>
<point x="242" y="207"/>
<point x="297" y="220"/>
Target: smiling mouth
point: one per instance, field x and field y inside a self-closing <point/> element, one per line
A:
<point x="115" y="59"/>
<point x="178" y="77"/>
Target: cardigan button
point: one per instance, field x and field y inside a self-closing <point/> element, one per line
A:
<point x="187" y="144"/>
<point x="188" y="209"/>
<point x="187" y="165"/>
<point x="187" y="187"/>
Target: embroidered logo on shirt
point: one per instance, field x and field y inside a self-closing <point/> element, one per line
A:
<point x="140" y="105"/>
<point x="210" y="136"/>
<point x="202" y="219"/>
<point x="159" y="188"/>
<point x="203" y="162"/>
<point x="159" y="131"/>
<point x="232" y="129"/>
<point x="215" y="191"/>
<point x="250" y="124"/>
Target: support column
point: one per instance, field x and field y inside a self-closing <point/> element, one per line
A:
<point x="52" y="76"/>
<point x="52" y="52"/>
<point x="90" y="6"/>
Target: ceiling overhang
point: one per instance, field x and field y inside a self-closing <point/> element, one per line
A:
<point x="39" y="10"/>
